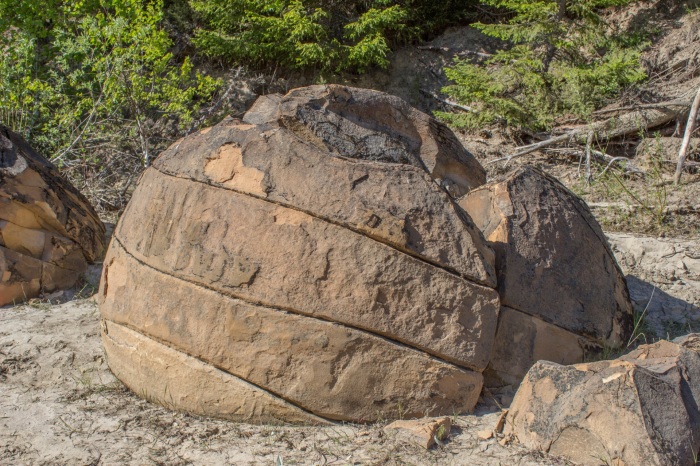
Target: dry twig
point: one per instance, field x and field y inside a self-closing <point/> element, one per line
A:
<point x="689" y="128"/>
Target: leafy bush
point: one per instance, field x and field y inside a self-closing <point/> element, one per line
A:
<point x="91" y="86"/>
<point x="562" y="59"/>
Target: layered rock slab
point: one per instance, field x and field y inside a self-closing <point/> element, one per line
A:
<point x="48" y="230"/>
<point x="522" y="340"/>
<point x="639" y="409"/>
<point x="334" y="371"/>
<point x="267" y="254"/>
<point x="173" y="379"/>
<point x="350" y="287"/>
<point x="553" y="264"/>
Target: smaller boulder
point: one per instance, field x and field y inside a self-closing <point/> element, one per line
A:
<point x="48" y="230"/>
<point x="563" y="292"/>
<point x="641" y="408"/>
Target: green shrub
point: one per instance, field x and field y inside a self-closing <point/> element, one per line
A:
<point x="325" y="35"/>
<point x="561" y="59"/>
<point x="99" y="69"/>
<point x="94" y="87"/>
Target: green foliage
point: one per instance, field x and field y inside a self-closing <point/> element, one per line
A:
<point x="324" y="35"/>
<point x="98" y="70"/>
<point x="295" y="33"/>
<point x="561" y="59"/>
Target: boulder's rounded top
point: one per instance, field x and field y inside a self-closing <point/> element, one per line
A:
<point x="374" y="126"/>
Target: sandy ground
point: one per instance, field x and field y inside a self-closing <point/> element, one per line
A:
<point x="59" y="403"/>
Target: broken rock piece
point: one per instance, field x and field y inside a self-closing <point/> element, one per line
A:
<point x="423" y="432"/>
<point x="641" y="408"/>
<point x="562" y="292"/>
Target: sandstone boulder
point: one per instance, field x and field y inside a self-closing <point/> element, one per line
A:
<point x="563" y="293"/>
<point x="48" y="230"/>
<point x="639" y="409"/>
<point x="337" y="283"/>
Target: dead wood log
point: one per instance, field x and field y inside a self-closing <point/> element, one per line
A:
<point x="602" y="157"/>
<point x="629" y="123"/>
<point x="689" y="128"/>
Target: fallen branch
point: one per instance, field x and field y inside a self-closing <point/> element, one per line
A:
<point x="449" y="102"/>
<point x="602" y="157"/>
<point x="433" y="48"/>
<point x="471" y="52"/>
<point x="640" y="107"/>
<point x="623" y="125"/>
<point x="615" y="159"/>
<point x="689" y="128"/>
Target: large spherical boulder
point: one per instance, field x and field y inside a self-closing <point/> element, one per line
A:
<point x="48" y="230"/>
<point x="307" y="263"/>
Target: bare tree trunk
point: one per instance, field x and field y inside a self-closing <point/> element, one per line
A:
<point x="689" y="128"/>
<point x="551" y="49"/>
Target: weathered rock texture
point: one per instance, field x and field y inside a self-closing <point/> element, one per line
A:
<point x="372" y="125"/>
<point x="333" y="275"/>
<point x="563" y="293"/>
<point x="522" y="340"/>
<point x="48" y="230"/>
<point x="639" y="409"/>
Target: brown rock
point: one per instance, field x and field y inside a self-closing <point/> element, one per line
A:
<point x="351" y="287"/>
<point x="553" y="261"/>
<point x="639" y="409"/>
<point x="147" y="367"/>
<point x="48" y="230"/>
<point x="522" y="340"/>
<point x="329" y="368"/>
<point x="267" y="254"/>
<point x="395" y="204"/>
<point x="484" y="434"/>
<point x="421" y="432"/>
<point x="371" y="125"/>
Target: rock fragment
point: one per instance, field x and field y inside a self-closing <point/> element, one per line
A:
<point x="423" y="432"/>
<point x="641" y="408"/>
<point x="562" y="292"/>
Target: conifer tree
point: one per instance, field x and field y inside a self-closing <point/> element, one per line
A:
<point x="560" y="57"/>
